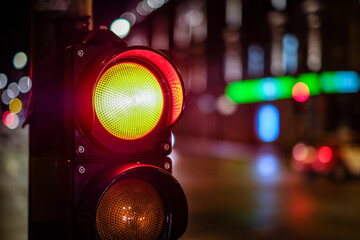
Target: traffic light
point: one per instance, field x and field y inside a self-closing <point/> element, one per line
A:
<point x="120" y="104"/>
<point x="123" y="102"/>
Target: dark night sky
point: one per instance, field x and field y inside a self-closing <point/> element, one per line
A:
<point x="104" y="12"/>
<point x="15" y="22"/>
<point x="15" y="31"/>
<point x="15" y="26"/>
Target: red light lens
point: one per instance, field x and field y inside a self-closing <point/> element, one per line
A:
<point x="128" y="100"/>
<point x="171" y="75"/>
<point x="325" y="154"/>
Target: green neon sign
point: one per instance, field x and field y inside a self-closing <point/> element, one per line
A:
<point x="275" y="88"/>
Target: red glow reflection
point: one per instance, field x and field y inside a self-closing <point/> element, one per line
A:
<point x="301" y="209"/>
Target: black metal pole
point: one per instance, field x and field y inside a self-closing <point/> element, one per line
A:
<point x="55" y="24"/>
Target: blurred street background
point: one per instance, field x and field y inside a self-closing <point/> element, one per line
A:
<point x="268" y="146"/>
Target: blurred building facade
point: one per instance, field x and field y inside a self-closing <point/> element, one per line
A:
<point x="215" y="43"/>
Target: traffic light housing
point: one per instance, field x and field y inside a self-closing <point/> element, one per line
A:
<point x="119" y="105"/>
<point x="123" y="103"/>
<point x="126" y="99"/>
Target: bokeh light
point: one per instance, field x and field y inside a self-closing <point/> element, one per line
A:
<point x="268" y="123"/>
<point x="325" y="154"/>
<point x="10" y="120"/>
<point x="300" y="152"/>
<point x="234" y="14"/>
<point x="279" y="4"/>
<point x="14" y="90"/>
<point x="20" y="60"/>
<point x="269" y="88"/>
<point x="346" y="81"/>
<point x="3" y="80"/>
<point x="290" y="53"/>
<point x="301" y="92"/>
<point x="225" y="106"/>
<point x="24" y="84"/>
<point x="15" y="105"/>
<point x="267" y="165"/>
<point x="267" y="168"/>
<point x="206" y="103"/>
<point x="233" y="69"/>
<point x="6" y="99"/>
<point x="121" y="27"/>
<point x="312" y="81"/>
<point x="143" y="8"/>
<point x="172" y="139"/>
<point x="131" y="17"/>
<point x="155" y="3"/>
<point x="256" y="62"/>
<point x="262" y="89"/>
<point x="7" y="118"/>
<point x="194" y="17"/>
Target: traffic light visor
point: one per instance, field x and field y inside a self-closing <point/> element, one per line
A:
<point x="128" y="100"/>
<point x="131" y="209"/>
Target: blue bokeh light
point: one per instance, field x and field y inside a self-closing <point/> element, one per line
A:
<point x="267" y="165"/>
<point x="256" y="63"/>
<point x="269" y="89"/>
<point x="290" y="53"/>
<point x="268" y="123"/>
<point x="347" y="81"/>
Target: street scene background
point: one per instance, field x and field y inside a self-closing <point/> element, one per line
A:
<point x="252" y="155"/>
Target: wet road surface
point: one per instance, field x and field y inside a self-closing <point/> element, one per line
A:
<point x="256" y="196"/>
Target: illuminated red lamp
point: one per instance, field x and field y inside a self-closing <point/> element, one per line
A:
<point x="169" y="72"/>
<point x="136" y="96"/>
<point x="128" y="100"/>
<point x="300" y="92"/>
<point x="8" y="118"/>
<point x="325" y="154"/>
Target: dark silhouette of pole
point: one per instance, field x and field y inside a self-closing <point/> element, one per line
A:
<point x="55" y="25"/>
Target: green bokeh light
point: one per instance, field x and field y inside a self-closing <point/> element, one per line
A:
<point x="312" y="80"/>
<point x="275" y="88"/>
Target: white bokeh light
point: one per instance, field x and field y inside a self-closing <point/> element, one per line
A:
<point x="14" y="90"/>
<point x="3" y="80"/>
<point x="20" y="60"/>
<point x="120" y="27"/>
<point x="155" y="3"/>
<point x="24" y="84"/>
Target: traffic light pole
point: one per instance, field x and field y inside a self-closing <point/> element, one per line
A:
<point x="55" y="25"/>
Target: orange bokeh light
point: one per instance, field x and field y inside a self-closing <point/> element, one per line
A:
<point x="300" y="92"/>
